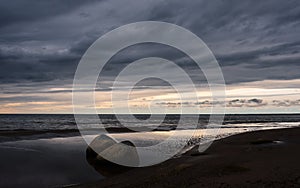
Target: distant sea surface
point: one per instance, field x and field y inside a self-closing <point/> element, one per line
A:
<point x="67" y="121"/>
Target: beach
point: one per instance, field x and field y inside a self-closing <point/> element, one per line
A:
<point x="247" y="154"/>
<point x="267" y="158"/>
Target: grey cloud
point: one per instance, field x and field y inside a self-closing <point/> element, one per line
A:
<point x="257" y="101"/>
<point x="42" y="41"/>
<point x="175" y="104"/>
<point x="13" y="12"/>
<point x="246" y="103"/>
<point x="286" y="103"/>
<point x="252" y="57"/>
<point x="22" y="99"/>
<point x="206" y="103"/>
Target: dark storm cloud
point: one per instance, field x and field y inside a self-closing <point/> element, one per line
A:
<point x="42" y="41"/>
<point x="22" y="99"/>
<point x="231" y="103"/>
<point x="18" y="11"/>
<point x="286" y="103"/>
<point x="252" y="58"/>
<point x="246" y="103"/>
<point x="208" y="103"/>
<point x="118" y="62"/>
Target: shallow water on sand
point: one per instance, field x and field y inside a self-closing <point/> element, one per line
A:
<point x="45" y="163"/>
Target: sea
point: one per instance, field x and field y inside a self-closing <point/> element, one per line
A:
<point x="159" y="122"/>
<point x="145" y="126"/>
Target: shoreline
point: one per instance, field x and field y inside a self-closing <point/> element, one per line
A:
<point x="233" y="161"/>
<point x="267" y="158"/>
<point x="31" y="134"/>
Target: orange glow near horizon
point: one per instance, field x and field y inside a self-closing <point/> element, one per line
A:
<point x="275" y="100"/>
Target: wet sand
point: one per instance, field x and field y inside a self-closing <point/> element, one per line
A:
<point x="51" y="162"/>
<point x="27" y="134"/>
<point x="268" y="158"/>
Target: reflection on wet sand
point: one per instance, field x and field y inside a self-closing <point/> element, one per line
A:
<point x="112" y="149"/>
<point x="51" y="162"/>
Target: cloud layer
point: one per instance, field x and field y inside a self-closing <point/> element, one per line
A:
<point x="43" y="41"/>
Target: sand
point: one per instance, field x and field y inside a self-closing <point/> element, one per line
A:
<point x="51" y="162"/>
<point x="268" y="158"/>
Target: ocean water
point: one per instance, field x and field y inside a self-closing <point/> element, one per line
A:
<point x="170" y="122"/>
<point x="139" y="128"/>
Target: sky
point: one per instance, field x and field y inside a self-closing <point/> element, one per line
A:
<point x="256" y="44"/>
